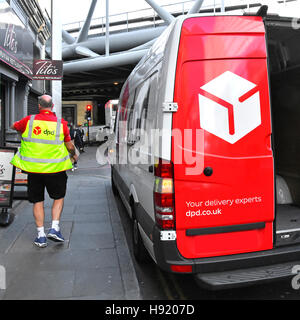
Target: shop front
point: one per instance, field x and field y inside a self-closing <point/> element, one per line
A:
<point x="20" y="44"/>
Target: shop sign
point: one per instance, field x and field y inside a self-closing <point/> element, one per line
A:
<point x="7" y="176"/>
<point x="47" y="70"/>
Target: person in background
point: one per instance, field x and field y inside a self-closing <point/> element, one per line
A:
<point x="81" y="134"/>
<point x="72" y="135"/>
<point x="45" y="152"/>
<point x="72" y="131"/>
<point x="78" y="140"/>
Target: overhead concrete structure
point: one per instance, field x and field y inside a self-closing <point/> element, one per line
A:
<point x="165" y="15"/>
<point x="96" y="65"/>
<point x="105" y="61"/>
<point x="196" y="7"/>
<point x="67" y="37"/>
<point x="83" y="35"/>
<point x="117" y="42"/>
<point x="102" y="62"/>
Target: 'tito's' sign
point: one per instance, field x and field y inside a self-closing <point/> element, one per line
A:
<point x="47" y="70"/>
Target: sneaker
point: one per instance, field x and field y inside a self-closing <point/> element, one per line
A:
<point x="55" y="235"/>
<point x="41" y="242"/>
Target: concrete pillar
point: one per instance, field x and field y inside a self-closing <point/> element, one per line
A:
<point x="12" y="103"/>
<point x="107" y="29"/>
<point x="56" y="54"/>
<point x="26" y="94"/>
<point x="7" y="107"/>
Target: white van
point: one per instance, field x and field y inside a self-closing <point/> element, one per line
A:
<point x="111" y="108"/>
<point x="107" y="130"/>
<point x="199" y="149"/>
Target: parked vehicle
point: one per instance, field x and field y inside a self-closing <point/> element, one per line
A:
<point x="237" y="220"/>
<point x="103" y="133"/>
<point x="93" y="131"/>
<point x="107" y="130"/>
<point x="111" y="108"/>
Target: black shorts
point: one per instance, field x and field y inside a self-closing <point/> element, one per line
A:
<point x="55" y="183"/>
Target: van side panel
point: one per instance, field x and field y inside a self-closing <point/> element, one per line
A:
<point x="222" y="90"/>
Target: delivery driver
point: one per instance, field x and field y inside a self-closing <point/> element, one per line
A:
<point x="44" y="155"/>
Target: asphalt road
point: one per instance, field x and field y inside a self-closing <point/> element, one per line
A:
<point x="156" y="284"/>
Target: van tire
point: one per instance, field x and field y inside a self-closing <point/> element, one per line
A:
<point x="113" y="185"/>
<point x="140" y="252"/>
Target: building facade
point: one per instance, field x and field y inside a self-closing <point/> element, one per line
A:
<point x="23" y="35"/>
<point x="74" y="112"/>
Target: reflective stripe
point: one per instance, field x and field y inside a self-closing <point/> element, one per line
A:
<point x="57" y="141"/>
<point x="58" y="129"/>
<point x="31" y="125"/>
<point x="36" y="160"/>
<point x="43" y="141"/>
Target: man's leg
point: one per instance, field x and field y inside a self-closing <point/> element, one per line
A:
<point x="57" y="208"/>
<point x="39" y="214"/>
<point x="54" y="233"/>
<point x="56" y="187"/>
<point x="36" y="196"/>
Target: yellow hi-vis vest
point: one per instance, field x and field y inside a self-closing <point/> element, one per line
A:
<point x="42" y="148"/>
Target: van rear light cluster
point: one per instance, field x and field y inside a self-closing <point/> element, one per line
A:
<point x="182" y="268"/>
<point x="164" y="194"/>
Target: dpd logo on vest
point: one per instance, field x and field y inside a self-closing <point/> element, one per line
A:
<point x="229" y="107"/>
<point x="37" y="130"/>
<point x="47" y="132"/>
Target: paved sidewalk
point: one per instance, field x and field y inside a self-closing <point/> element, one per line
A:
<point x="93" y="263"/>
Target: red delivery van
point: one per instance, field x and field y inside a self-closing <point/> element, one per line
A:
<point x="208" y="149"/>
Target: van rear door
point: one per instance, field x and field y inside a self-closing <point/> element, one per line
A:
<point x="221" y="87"/>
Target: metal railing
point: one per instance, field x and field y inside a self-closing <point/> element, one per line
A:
<point x="148" y="18"/>
<point x="124" y="22"/>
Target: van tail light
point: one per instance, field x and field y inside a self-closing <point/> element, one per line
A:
<point x="164" y="194"/>
<point x="182" y="268"/>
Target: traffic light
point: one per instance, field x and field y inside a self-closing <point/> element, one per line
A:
<point x="88" y="110"/>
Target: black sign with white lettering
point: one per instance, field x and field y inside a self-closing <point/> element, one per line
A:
<point x="7" y="176"/>
<point x="47" y="70"/>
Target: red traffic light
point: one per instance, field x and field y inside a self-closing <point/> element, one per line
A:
<point x="88" y="107"/>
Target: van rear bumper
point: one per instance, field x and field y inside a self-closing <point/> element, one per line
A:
<point x="218" y="272"/>
<point x="247" y="276"/>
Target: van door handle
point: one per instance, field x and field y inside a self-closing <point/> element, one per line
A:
<point x="208" y="171"/>
<point x="151" y="168"/>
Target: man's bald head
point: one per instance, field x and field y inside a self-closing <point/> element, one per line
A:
<point x="45" y="101"/>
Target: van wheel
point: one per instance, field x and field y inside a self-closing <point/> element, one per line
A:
<point x="113" y="186"/>
<point x="140" y="252"/>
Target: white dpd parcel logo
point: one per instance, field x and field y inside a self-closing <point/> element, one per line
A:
<point x="229" y="107"/>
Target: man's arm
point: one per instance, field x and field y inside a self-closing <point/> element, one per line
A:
<point x="71" y="149"/>
<point x="20" y="126"/>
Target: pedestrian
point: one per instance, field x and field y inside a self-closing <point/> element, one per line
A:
<point x="45" y="153"/>
<point x="78" y="141"/>
<point x="80" y="136"/>
<point x="72" y="131"/>
<point x="72" y="135"/>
